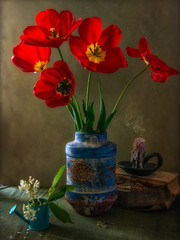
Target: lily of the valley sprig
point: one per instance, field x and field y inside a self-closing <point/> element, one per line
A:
<point x="95" y="48"/>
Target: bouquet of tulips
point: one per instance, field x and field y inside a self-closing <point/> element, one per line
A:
<point x="96" y="50"/>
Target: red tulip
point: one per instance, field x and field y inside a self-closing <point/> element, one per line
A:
<point x="30" y="58"/>
<point x="52" y="28"/>
<point x="160" y="70"/>
<point x="56" y="85"/>
<point x="143" y="52"/>
<point x="95" y="50"/>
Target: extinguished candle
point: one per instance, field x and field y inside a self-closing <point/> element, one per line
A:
<point x="138" y="153"/>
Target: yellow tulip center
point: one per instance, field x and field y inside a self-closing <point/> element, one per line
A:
<point x="64" y="87"/>
<point x="95" y="53"/>
<point x="54" y="35"/>
<point x="40" y="65"/>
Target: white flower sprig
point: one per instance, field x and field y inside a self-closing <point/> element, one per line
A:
<point x="31" y="187"/>
<point x="29" y="213"/>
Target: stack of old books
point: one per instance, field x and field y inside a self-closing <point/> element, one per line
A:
<point x="154" y="192"/>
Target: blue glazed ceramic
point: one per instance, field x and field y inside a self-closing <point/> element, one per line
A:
<point x="91" y="160"/>
<point x="42" y="216"/>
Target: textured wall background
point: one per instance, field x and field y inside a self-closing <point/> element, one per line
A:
<point x="33" y="137"/>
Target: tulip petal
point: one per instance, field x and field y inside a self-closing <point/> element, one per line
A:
<point x="133" y="52"/>
<point x="157" y="63"/>
<point x="57" y="101"/>
<point x="74" y="26"/>
<point x="32" y="53"/>
<point x="159" y="76"/>
<point x="39" y="36"/>
<point x="90" y="30"/>
<point x="68" y="23"/>
<point x="144" y="48"/>
<point x="65" y="71"/>
<point x="35" y="35"/>
<point x="114" y="60"/>
<point x="110" y="37"/>
<point x="43" y="90"/>
<point x="27" y="56"/>
<point x="22" y="64"/>
<point x="48" y="19"/>
<point x="77" y="46"/>
<point x="51" y="75"/>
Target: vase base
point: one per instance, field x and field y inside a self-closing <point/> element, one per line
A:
<point x="92" y="208"/>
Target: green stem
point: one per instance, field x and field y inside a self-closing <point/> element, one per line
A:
<point x="60" y="54"/>
<point x="88" y="88"/>
<point x="126" y="87"/>
<point x="79" y="110"/>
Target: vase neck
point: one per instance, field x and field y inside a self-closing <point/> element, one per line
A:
<point x="91" y="137"/>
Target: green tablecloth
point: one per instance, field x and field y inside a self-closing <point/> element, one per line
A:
<point x="122" y="223"/>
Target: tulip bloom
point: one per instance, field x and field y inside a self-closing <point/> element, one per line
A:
<point x="56" y="85"/>
<point x="95" y="50"/>
<point x="30" y="58"/>
<point x="52" y="28"/>
<point x="160" y="70"/>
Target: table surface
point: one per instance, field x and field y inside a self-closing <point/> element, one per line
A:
<point x="122" y="223"/>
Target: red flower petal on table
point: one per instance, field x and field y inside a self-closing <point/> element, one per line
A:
<point x="160" y="70"/>
<point x="31" y="58"/>
<point x="95" y="50"/>
<point x="52" y="28"/>
<point x="56" y="85"/>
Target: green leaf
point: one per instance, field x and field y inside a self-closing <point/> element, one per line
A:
<point x="57" y="195"/>
<point x="67" y="187"/>
<point x="62" y="190"/>
<point x="76" y="115"/>
<point x="60" y="213"/>
<point x="56" y="179"/>
<point x="84" y="109"/>
<point x="51" y="190"/>
<point x="91" y="116"/>
<point x="79" y="112"/>
<point x="70" y="111"/>
<point x="102" y="112"/>
<point x="108" y="120"/>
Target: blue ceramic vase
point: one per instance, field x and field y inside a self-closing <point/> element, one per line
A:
<point x="91" y="161"/>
